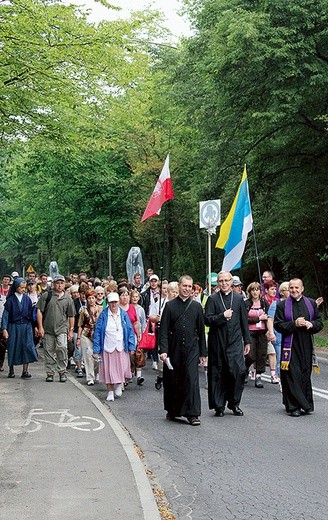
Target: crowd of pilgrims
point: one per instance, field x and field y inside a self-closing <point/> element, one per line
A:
<point x="111" y="316"/>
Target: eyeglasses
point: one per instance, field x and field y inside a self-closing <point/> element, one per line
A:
<point x="225" y="281"/>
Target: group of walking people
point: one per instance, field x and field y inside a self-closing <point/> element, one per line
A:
<point x="234" y="344"/>
<point x="104" y="323"/>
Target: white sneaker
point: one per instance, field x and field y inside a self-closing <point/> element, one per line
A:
<point x="90" y="383"/>
<point x="110" y="396"/>
<point x="118" y="390"/>
<point x="154" y="366"/>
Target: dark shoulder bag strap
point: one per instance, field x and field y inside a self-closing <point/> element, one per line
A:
<point x="49" y="296"/>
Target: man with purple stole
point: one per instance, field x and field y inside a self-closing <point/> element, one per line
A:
<point x="297" y="319"/>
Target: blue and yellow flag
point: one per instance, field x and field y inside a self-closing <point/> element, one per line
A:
<point x="235" y="228"/>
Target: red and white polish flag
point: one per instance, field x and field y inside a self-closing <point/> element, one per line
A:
<point x="163" y="192"/>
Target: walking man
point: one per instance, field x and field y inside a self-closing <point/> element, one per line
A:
<point x="228" y="343"/>
<point x="297" y="319"/>
<point x="55" y="318"/>
<point x="182" y="342"/>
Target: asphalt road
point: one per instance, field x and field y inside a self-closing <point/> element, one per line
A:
<point x="265" y="465"/>
<point x="64" y="456"/>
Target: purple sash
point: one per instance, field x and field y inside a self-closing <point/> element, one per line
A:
<point x="288" y="340"/>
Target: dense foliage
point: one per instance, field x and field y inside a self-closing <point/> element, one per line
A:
<point x="88" y="114"/>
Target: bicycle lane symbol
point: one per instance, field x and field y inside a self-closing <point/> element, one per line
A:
<point x="37" y="418"/>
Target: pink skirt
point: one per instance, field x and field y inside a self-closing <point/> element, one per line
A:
<point x="113" y="368"/>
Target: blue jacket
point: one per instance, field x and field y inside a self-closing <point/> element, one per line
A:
<point x="100" y="329"/>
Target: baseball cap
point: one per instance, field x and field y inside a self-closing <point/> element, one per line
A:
<point x="236" y="281"/>
<point x="213" y="278"/>
<point x="59" y="278"/>
<point x="153" y="277"/>
<point x="14" y="274"/>
<point x="113" y="297"/>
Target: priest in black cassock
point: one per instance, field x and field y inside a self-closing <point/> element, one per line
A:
<point x="228" y="343"/>
<point x="182" y="341"/>
<point x="297" y="318"/>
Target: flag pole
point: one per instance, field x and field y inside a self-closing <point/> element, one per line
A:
<point x="209" y="259"/>
<point x="256" y="250"/>
<point x="257" y="255"/>
<point x="161" y="268"/>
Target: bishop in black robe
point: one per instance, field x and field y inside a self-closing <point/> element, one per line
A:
<point x="182" y="338"/>
<point x="226" y="340"/>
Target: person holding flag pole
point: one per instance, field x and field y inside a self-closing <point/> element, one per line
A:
<point x="162" y="193"/>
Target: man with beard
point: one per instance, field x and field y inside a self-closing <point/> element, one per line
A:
<point x="182" y="344"/>
<point x="297" y="319"/>
<point x="228" y="343"/>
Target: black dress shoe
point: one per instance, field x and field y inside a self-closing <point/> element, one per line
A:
<point x="170" y="417"/>
<point x="237" y="411"/>
<point x="295" y="413"/>
<point x="219" y="413"/>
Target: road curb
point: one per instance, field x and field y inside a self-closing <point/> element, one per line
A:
<point x="148" y="502"/>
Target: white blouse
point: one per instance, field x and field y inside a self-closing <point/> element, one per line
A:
<point x="114" y="333"/>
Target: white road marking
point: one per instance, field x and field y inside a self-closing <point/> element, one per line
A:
<point x="319" y="392"/>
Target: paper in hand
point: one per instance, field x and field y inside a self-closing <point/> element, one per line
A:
<point x="168" y="364"/>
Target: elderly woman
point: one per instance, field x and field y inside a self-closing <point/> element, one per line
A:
<point x="100" y="296"/>
<point x="113" y="341"/>
<point x="87" y="321"/>
<point x="17" y="328"/>
<point x="272" y="334"/>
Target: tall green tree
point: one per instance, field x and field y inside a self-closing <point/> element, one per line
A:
<point x="254" y="84"/>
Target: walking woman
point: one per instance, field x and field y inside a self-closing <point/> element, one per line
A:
<point x="130" y="309"/>
<point x="113" y="340"/>
<point x="257" y="308"/>
<point x="87" y="321"/>
<point x="141" y="315"/>
<point x="17" y="329"/>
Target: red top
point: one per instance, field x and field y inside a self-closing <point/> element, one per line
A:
<point x="132" y="313"/>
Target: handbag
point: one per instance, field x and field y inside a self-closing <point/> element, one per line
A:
<point x="148" y="339"/>
<point x="140" y="359"/>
